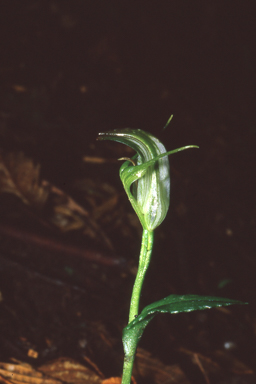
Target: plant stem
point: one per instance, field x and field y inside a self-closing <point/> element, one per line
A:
<point x="144" y="260"/>
<point x="127" y="370"/>
<point x="145" y="256"/>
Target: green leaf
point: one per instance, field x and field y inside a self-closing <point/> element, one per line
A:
<point x="170" y="304"/>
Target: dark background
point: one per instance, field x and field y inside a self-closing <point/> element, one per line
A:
<point x="71" y="69"/>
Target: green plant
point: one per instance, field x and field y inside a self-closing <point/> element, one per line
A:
<point x="146" y="180"/>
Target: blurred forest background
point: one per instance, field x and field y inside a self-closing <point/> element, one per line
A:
<point x="71" y="69"/>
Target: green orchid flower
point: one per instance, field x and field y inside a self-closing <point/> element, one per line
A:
<point x="148" y="174"/>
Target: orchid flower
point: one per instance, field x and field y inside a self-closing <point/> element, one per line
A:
<point x="147" y="173"/>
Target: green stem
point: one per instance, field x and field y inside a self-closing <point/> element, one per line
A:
<point x="145" y="256"/>
<point x="127" y="370"/>
<point x="144" y="260"/>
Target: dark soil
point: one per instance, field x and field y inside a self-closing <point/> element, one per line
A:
<point x="71" y="69"/>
